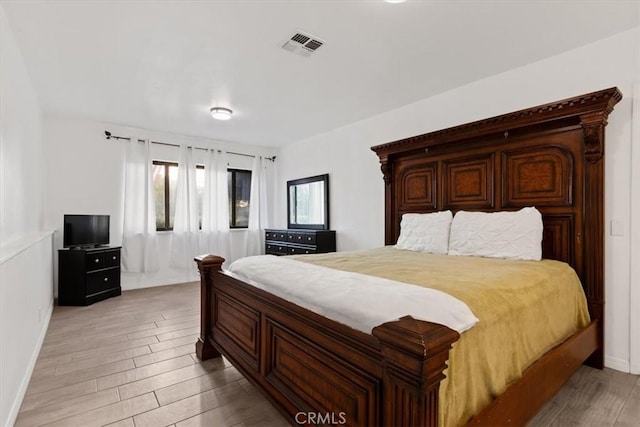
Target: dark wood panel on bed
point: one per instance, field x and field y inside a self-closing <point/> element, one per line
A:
<point x="318" y="379"/>
<point x="549" y="156"/>
<point x="541" y="177"/>
<point x="468" y="182"/>
<point x="239" y="324"/>
<point x="556" y="240"/>
<point x="419" y="187"/>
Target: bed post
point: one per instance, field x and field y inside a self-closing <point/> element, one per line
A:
<point x="593" y="125"/>
<point x="385" y="167"/>
<point x="207" y="265"/>
<point x="415" y="355"/>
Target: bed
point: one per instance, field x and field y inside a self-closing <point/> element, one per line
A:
<point x="550" y="156"/>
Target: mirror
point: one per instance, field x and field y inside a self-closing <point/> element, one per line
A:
<point x="308" y="203"/>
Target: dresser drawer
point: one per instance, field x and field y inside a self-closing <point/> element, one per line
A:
<point x="300" y="251"/>
<point x="271" y="235"/>
<point x="302" y="238"/>
<point x="276" y="249"/>
<point x="102" y="280"/>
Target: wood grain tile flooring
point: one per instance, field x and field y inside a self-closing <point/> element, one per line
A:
<point x="128" y="362"/>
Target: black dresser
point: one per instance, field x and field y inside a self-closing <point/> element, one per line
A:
<point x="293" y="242"/>
<point x="86" y="276"/>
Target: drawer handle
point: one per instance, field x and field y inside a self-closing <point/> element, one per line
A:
<point x="308" y="238"/>
<point x="106" y="279"/>
<point x="299" y="237"/>
<point x="292" y="250"/>
<point x="114" y="257"/>
<point x="306" y="252"/>
<point x="97" y="260"/>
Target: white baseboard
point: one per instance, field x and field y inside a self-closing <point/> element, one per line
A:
<point x="617" y="364"/>
<point x="15" y="408"/>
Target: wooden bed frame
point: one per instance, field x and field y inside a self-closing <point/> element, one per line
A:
<point x="316" y="370"/>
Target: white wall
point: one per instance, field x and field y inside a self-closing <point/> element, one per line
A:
<point x="26" y="301"/>
<point x="85" y="175"/>
<point x="26" y="293"/>
<point x="21" y="150"/>
<point x="357" y="189"/>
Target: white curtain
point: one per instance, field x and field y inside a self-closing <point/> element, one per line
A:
<point x="184" y="242"/>
<point x="258" y="211"/>
<point x="139" y="245"/>
<point x="214" y="237"/>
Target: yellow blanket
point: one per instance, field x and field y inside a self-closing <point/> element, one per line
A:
<point x="525" y="309"/>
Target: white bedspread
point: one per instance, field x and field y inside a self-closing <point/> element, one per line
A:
<point x="356" y="300"/>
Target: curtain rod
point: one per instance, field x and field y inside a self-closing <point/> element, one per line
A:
<point x="108" y="135"/>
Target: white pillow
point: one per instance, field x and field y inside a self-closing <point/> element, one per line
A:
<point x="425" y="232"/>
<point x="510" y="235"/>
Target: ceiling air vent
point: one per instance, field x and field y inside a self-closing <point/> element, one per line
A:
<point x="302" y="44"/>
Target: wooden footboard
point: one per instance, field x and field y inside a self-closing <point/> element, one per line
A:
<point x="318" y="371"/>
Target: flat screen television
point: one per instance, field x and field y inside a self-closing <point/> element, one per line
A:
<point x="86" y="230"/>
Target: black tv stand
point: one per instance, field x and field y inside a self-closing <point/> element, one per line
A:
<point x="88" y="275"/>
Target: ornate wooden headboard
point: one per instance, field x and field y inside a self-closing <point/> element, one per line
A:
<point x="550" y="157"/>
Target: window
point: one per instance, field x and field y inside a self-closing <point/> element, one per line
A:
<point x="239" y="182"/>
<point x="165" y="177"/>
<point x="165" y="180"/>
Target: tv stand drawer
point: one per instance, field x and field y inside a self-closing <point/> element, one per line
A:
<point x="94" y="261"/>
<point x="99" y="281"/>
<point x="111" y="258"/>
<point x="103" y="258"/>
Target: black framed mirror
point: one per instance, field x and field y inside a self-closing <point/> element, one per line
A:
<point x="308" y="203"/>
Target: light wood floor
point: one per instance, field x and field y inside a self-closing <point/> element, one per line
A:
<point x="129" y="361"/>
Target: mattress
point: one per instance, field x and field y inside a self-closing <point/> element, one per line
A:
<point x="525" y="308"/>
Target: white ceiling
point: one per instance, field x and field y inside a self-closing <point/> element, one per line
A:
<point x="162" y="64"/>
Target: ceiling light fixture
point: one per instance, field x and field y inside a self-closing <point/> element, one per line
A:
<point x="220" y="113"/>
